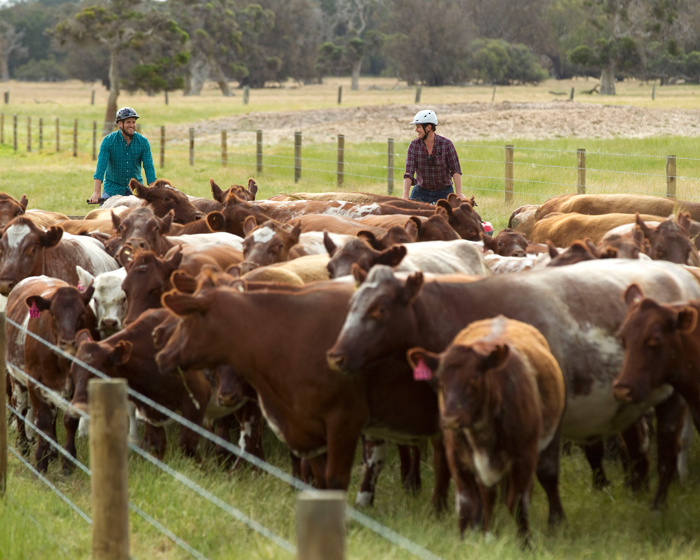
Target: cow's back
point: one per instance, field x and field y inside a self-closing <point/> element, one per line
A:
<point x="60" y="261"/>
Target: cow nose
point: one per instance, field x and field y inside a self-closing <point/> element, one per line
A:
<point x="109" y="325"/>
<point x="247" y="266"/>
<point x="229" y="400"/>
<point x="6" y="286"/>
<point x="200" y="216"/>
<point x="336" y="362"/>
<point x="138" y="244"/>
<point x="623" y="394"/>
<point x="449" y="422"/>
<point x="520" y="254"/>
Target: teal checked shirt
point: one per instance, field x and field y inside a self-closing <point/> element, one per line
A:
<point x="118" y="163"/>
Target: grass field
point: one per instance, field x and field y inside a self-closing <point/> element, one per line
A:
<point x="608" y="524"/>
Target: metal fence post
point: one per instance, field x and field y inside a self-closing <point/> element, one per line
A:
<point x="224" y="155"/>
<point x="297" y="156"/>
<point x="340" y="94"/>
<point x="321" y="525"/>
<point x="581" y="164"/>
<point x="14" y="131"/>
<point x="258" y="150"/>
<point x="390" y="167"/>
<point x="671" y="176"/>
<point x="58" y="135"/>
<point x="3" y="412"/>
<point x="94" y="140"/>
<point x="191" y="146"/>
<point x="509" y="173"/>
<point x="162" y="146"/>
<point x="41" y="134"/>
<point x="29" y="134"/>
<point x="109" y="427"/>
<point x="75" y="138"/>
<point x="341" y="158"/>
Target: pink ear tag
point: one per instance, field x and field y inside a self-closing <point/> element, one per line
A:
<point x="81" y="288"/>
<point x="422" y="372"/>
<point x="34" y="311"/>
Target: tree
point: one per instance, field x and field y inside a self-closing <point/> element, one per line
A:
<point x="10" y="44"/>
<point x="121" y="26"/>
<point x="498" y="62"/>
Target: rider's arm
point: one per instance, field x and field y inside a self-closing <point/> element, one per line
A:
<point x="102" y="161"/>
<point x="147" y="160"/>
<point x="455" y="169"/>
<point x="457" y="178"/>
<point x="98" y="191"/>
<point x="408" y="179"/>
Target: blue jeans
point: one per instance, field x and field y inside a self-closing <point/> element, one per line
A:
<point x="419" y="194"/>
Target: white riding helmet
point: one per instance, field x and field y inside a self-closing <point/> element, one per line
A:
<point x="425" y="117"/>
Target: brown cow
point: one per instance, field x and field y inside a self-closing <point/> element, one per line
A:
<point x="26" y="250"/>
<point x="54" y="311"/>
<point x="162" y="197"/>
<point x="578" y="252"/>
<point x="434" y="228"/>
<point x="523" y="219"/>
<point x="509" y="243"/>
<point x="396" y="235"/>
<point x="207" y="205"/>
<point x="11" y="208"/>
<point x="336" y="224"/>
<point x="616" y="204"/>
<point x="670" y="240"/>
<point x="129" y="354"/>
<point x="501" y="396"/>
<point x="270" y="243"/>
<point x="144" y="231"/>
<point x="233" y="215"/>
<point x="577" y="309"/>
<point x="629" y="245"/>
<point x="317" y="413"/>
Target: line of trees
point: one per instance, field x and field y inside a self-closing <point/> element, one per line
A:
<point x="180" y="44"/>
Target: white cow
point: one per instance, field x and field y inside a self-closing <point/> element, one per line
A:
<point x="108" y="301"/>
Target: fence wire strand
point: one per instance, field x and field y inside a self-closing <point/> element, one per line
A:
<point x="43" y="529"/>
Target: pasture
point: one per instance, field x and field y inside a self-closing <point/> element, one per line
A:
<point x="612" y="523"/>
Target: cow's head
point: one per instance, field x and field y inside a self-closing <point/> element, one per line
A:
<point x="22" y="248"/>
<point x="163" y="198"/>
<point x="651" y="335"/>
<point x="147" y="279"/>
<point x="463" y="219"/>
<point x="234" y="214"/>
<point x="240" y="191"/>
<point x="508" y="243"/>
<point x="436" y="228"/>
<point x="579" y="251"/>
<point x="108" y="300"/>
<point x="359" y="252"/>
<point x="395" y="235"/>
<point x="11" y="208"/>
<point x="143" y="230"/>
<point x="268" y="243"/>
<point x="68" y="312"/>
<point x="381" y="321"/>
<point x="670" y="240"/>
<point x="629" y="245"/>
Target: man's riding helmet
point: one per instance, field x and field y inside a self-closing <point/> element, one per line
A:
<point x="126" y="113"/>
<point x="424" y="118"/>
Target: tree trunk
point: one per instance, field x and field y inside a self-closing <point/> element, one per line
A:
<point x="607" y="80"/>
<point x="198" y="72"/>
<point x="220" y="78"/>
<point x="356" y="66"/>
<point x="4" y="69"/>
<point x="111" y="113"/>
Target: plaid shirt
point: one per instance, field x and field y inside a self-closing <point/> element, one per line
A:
<point x="118" y="163"/>
<point x="432" y="177"/>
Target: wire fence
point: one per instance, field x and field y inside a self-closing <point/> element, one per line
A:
<point x="338" y="161"/>
<point x="382" y="531"/>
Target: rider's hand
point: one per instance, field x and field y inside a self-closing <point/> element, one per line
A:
<point x="95" y="198"/>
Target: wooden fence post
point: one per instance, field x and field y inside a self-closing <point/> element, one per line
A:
<point x="58" y="135"/>
<point x="297" y="156"/>
<point x="571" y="95"/>
<point x="390" y="167"/>
<point x="162" y="147"/>
<point x="7" y="97"/>
<point x="419" y="90"/>
<point x="94" y="140"/>
<point x="341" y="158"/>
<point x="41" y="134"/>
<point x="581" y="165"/>
<point x="3" y="412"/>
<point x="75" y="138"/>
<point x="653" y="92"/>
<point x="258" y="150"/>
<point x="246" y="95"/>
<point x="671" y="176"/>
<point x="109" y="426"/>
<point x="2" y="128"/>
<point x="14" y="133"/>
<point x="321" y="525"/>
<point x="191" y="146"/>
<point x="92" y="99"/>
<point x="224" y="154"/>
<point x="509" y="173"/>
<point x="340" y="94"/>
<point x="29" y="134"/>
<point x="493" y="95"/>
<point x="167" y="101"/>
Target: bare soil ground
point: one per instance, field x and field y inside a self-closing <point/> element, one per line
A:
<point x="464" y="121"/>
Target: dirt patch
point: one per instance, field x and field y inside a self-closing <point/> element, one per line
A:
<point x="459" y="121"/>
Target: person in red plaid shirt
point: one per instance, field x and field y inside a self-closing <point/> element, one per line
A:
<point x="434" y="162"/>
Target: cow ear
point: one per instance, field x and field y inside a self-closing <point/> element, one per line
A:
<point x="234" y="270"/>
<point x="216" y="221"/>
<point x="497" y="358"/>
<point x="183" y="281"/>
<point x="294" y="234"/>
<point x="83" y="335"/>
<point x="638" y="236"/>
<point x="358" y="273"/>
<point x="412" y="287"/>
<point x="645" y="230"/>
<point x="252" y="187"/>
<point x="238" y="284"/>
<point x="424" y="364"/>
<point x="249" y="224"/>
<point x="126" y="256"/>
<point x="42" y="304"/>
<point x="84" y="277"/>
<point x="166" y="222"/>
<point x="116" y="222"/>
<point x="216" y="192"/>
<point x="175" y="258"/>
<point x="490" y="243"/>
<point x="609" y="253"/>
<point x="445" y="206"/>
<point x="472" y="201"/>
<point x="121" y="353"/>
<point x="684" y="222"/>
<point x="23" y="202"/>
<point x="553" y="251"/>
<point x="454" y="200"/>
<point x="633" y="294"/>
<point x="687" y="319"/>
<point x="52" y="237"/>
<point x="184" y="304"/>
<point x="139" y="189"/>
<point x="413" y="227"/>
<point x="87" y="293"/>
<point x="392" y="256"/>
<point x="370" y="238"/>
<point x="328" y="244"/>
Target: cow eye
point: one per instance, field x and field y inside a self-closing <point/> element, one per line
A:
<point x="377" y="312"/>
<point x="32" y="251"/>
<point x="500" y="243"/>
<point x="653" y="341"/>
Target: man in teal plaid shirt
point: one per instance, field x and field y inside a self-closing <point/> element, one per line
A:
<point x="121" y="155"/>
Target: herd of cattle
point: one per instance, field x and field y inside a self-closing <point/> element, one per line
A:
<point x="343" y="317"/>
